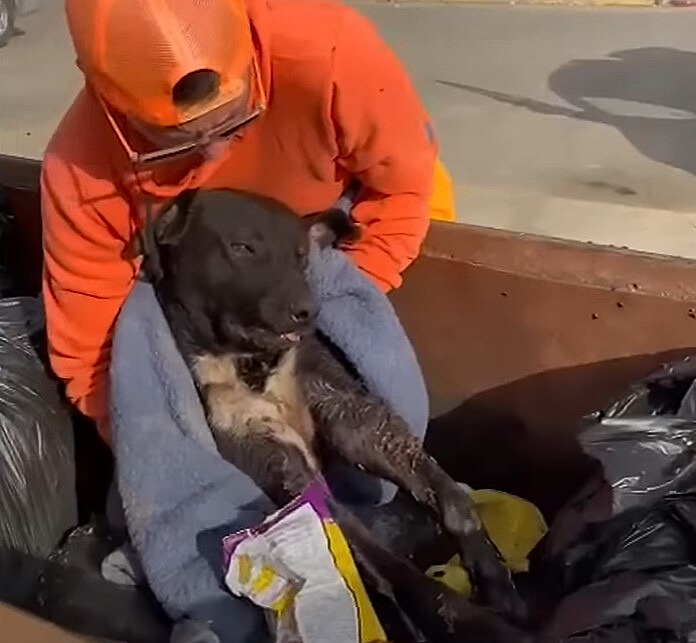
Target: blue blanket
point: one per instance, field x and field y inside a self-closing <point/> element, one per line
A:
<point x="180" y="497"/>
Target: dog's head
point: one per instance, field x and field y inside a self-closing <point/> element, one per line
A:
<point x="233" y="267"/>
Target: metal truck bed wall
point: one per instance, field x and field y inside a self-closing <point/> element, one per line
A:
<point x="517" y="336"/>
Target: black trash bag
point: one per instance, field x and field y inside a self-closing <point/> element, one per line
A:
<point x="621" y="557"/>
<point x="37" y="476"/>
<point x="74" y="594"/>
<point x="646" y="441"/>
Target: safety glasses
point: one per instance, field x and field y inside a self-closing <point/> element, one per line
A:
<point x="224" y="130"/>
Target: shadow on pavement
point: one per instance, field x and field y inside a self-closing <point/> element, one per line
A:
<point x="648" y="94"/>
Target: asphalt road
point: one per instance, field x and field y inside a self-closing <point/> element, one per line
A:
<point x="572" y="122"/>
<point x="38" y="80"/>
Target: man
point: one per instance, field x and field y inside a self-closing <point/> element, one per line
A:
<point x="291" y="99"/>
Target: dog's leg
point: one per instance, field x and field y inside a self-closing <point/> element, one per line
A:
<point x="279" y="469"/>
<point x="419" y="603"/>
<point x="362" y="430"/>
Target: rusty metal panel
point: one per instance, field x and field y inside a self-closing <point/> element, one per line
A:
<point x="28" y="628"/>
<point x="26" y="253"/>
<point x="509" y="306"/>
<point x="19" y="173"/>
<point x="520" y="336"/>
<point x="19" y="190"/>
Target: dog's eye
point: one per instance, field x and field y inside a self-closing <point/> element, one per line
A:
<point x="240" y="249"/>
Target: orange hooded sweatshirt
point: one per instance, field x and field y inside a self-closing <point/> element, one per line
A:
<point x="340" y="106"/>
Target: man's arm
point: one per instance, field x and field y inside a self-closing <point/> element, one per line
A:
<point x="85" y="281"/>
<point x="385" y="139"/>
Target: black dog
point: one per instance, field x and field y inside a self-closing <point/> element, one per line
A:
<point x="229" y="271"/>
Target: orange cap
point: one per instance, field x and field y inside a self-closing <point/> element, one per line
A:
<point x="133" y="52"/>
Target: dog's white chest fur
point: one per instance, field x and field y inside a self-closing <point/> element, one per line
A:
<point x="279" y="411"/>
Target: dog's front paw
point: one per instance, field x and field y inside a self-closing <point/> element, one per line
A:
<point x="492" y="582"/>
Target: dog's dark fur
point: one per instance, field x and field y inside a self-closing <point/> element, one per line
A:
<point x="229" y="271"/>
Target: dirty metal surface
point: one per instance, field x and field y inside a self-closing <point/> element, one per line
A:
<point x="518" y="337"/>
<point x="19" y="173"/>
<point x="19" y="191"/>
<point x="25" y="250"/>
<point x="571" y="262"/>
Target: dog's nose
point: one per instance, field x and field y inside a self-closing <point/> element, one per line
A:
<point x="303" y="310"/>
<point x="300" y="314"/>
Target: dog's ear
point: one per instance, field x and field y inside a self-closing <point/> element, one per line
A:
<point x="332" y="227"/>
<point x="171" y="224"/>
<point x="167" y="229"/>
